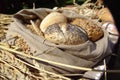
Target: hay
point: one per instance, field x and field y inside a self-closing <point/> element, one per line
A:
<point x="4" y="21"/>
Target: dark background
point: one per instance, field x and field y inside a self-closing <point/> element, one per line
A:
<point x="114" y="7"/>
<point x="12" y="6"/>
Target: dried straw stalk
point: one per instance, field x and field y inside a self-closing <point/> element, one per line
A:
<point x="21" y="65"/>
<point x="56" y="63"/>
<point x="51" y="62"/>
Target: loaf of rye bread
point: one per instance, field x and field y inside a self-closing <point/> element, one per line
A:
<point x="64" y="33"/>
<point x="94" y="32"/>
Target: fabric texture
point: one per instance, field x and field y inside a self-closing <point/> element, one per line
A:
<point x="87" y="54"/>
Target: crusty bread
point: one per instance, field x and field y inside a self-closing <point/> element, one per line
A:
<point x="64" y="33"/>
<point x="105" y="15"/>
<point x="52" y="18"/>
<point x="93" y="30"/>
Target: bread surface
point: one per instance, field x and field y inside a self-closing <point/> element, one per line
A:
<point x="94" y="32"/>
<point x="64" y="33"/>
<point x="52" y="18"/>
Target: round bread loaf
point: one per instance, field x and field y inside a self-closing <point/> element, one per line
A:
<point x="93" y="30"/>
<point x="64" y="33"/>
<point x="52" y="18"/>
<point x="105" y="15"/>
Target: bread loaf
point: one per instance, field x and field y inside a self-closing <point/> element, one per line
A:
<point x="64" y="33"/>
<point x="105" y="15"/>
<point x="52" y="18"/>
<point x="94" y="32"/>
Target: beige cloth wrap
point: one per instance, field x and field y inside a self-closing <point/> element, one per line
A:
<point x="87" y="54"/>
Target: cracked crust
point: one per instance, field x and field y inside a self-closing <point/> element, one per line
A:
<point x="68" y="34"/>
<point x="94" y="32"/>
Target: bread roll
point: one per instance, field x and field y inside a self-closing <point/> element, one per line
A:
<point x="64" y="33"/>
<point x="52" y="18"/>
<point x="105" y="15"/>
<point x="94" y="31"/>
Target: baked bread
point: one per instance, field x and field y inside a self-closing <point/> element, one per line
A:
<point x="105" y="15"/>
<point x="64" y="33"/>
<point x="94" y="32"/>
<point x="52" y="18"/>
